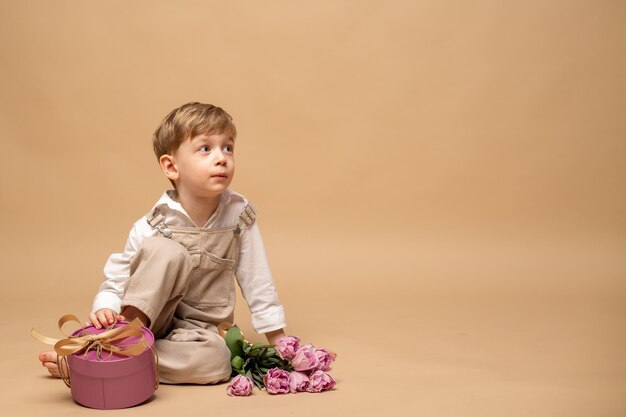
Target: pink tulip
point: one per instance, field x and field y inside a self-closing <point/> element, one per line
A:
<point x="240" y="386"/>
<point x="298" y="382"/>
<point x="325" y="357"/>
<point x="287" y="346"/>
<point x="320" y="381"/>
<point x="305" y="358"/>
<point x="276" y="381"/>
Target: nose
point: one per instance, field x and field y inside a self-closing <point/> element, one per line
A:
<point x="220" y="159"/>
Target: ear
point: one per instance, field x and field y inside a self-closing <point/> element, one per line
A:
<point x="168" y="165"/>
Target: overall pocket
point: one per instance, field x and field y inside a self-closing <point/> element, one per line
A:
<point x="211" y="280"/>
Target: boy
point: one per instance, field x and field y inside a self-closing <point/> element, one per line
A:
<point x="177" y="268"/>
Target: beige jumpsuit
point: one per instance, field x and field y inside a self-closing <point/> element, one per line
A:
<point x="183" y="280"/>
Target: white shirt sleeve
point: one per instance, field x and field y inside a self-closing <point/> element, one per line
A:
<point x="256" y="283"/>
<point x="117" y="269"/>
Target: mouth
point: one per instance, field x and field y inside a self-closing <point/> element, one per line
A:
<point x="219" y="176"/>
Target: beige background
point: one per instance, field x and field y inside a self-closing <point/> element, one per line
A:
<point x="440" y="188"/>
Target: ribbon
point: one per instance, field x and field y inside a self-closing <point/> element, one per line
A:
<point x="104" y="340"/>
<point x="87" y="341"/>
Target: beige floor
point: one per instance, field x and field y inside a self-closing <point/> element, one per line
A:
<point x="440" y="188"/>
<point x="482" y="328"/>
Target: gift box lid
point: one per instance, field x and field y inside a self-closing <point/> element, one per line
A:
<point x="108" y="363"/>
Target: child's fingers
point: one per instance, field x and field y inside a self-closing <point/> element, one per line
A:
<point x="102" y="320"/>
<point x="103" y="317"/>
<point x="92" y="319"/>
<point x="95" y="320"/>
<point x="109" y="314"/>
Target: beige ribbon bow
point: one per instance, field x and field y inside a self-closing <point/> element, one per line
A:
<point x="104" y="340"/>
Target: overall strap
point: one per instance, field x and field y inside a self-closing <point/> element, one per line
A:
<point x="246" y="218"/>
<point x="155" y="218"/>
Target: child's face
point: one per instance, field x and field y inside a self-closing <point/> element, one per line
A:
<point x="204" y="165"/>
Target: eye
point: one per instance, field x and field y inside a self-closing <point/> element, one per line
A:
<point x="205" y="148"/>
<point x="228" y="148"/>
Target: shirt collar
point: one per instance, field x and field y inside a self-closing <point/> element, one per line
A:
<point x="168" y="201"/>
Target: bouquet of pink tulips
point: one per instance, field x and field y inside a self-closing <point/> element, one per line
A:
<point x="283" y="368"/>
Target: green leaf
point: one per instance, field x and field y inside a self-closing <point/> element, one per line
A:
<point x="273" y="360"/>
<point x="234" y="341"/>
<point x="257" y="378"/>
<point x="237" y="362"/>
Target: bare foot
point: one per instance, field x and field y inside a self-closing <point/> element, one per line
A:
<point x="49" y="360"/>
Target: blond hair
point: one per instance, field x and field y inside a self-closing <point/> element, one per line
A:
<point x="187" y="121"/>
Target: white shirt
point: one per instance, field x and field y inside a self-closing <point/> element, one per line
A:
<point x="252" y="273"/>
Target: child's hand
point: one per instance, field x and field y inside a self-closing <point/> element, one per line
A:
<point x="273" y="336"/>
<point x="104" y="317"/>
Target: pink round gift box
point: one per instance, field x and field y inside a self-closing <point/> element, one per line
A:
<point x="113" y="381"/>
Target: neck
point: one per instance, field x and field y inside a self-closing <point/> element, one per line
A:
<point x="200" y="209"/>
